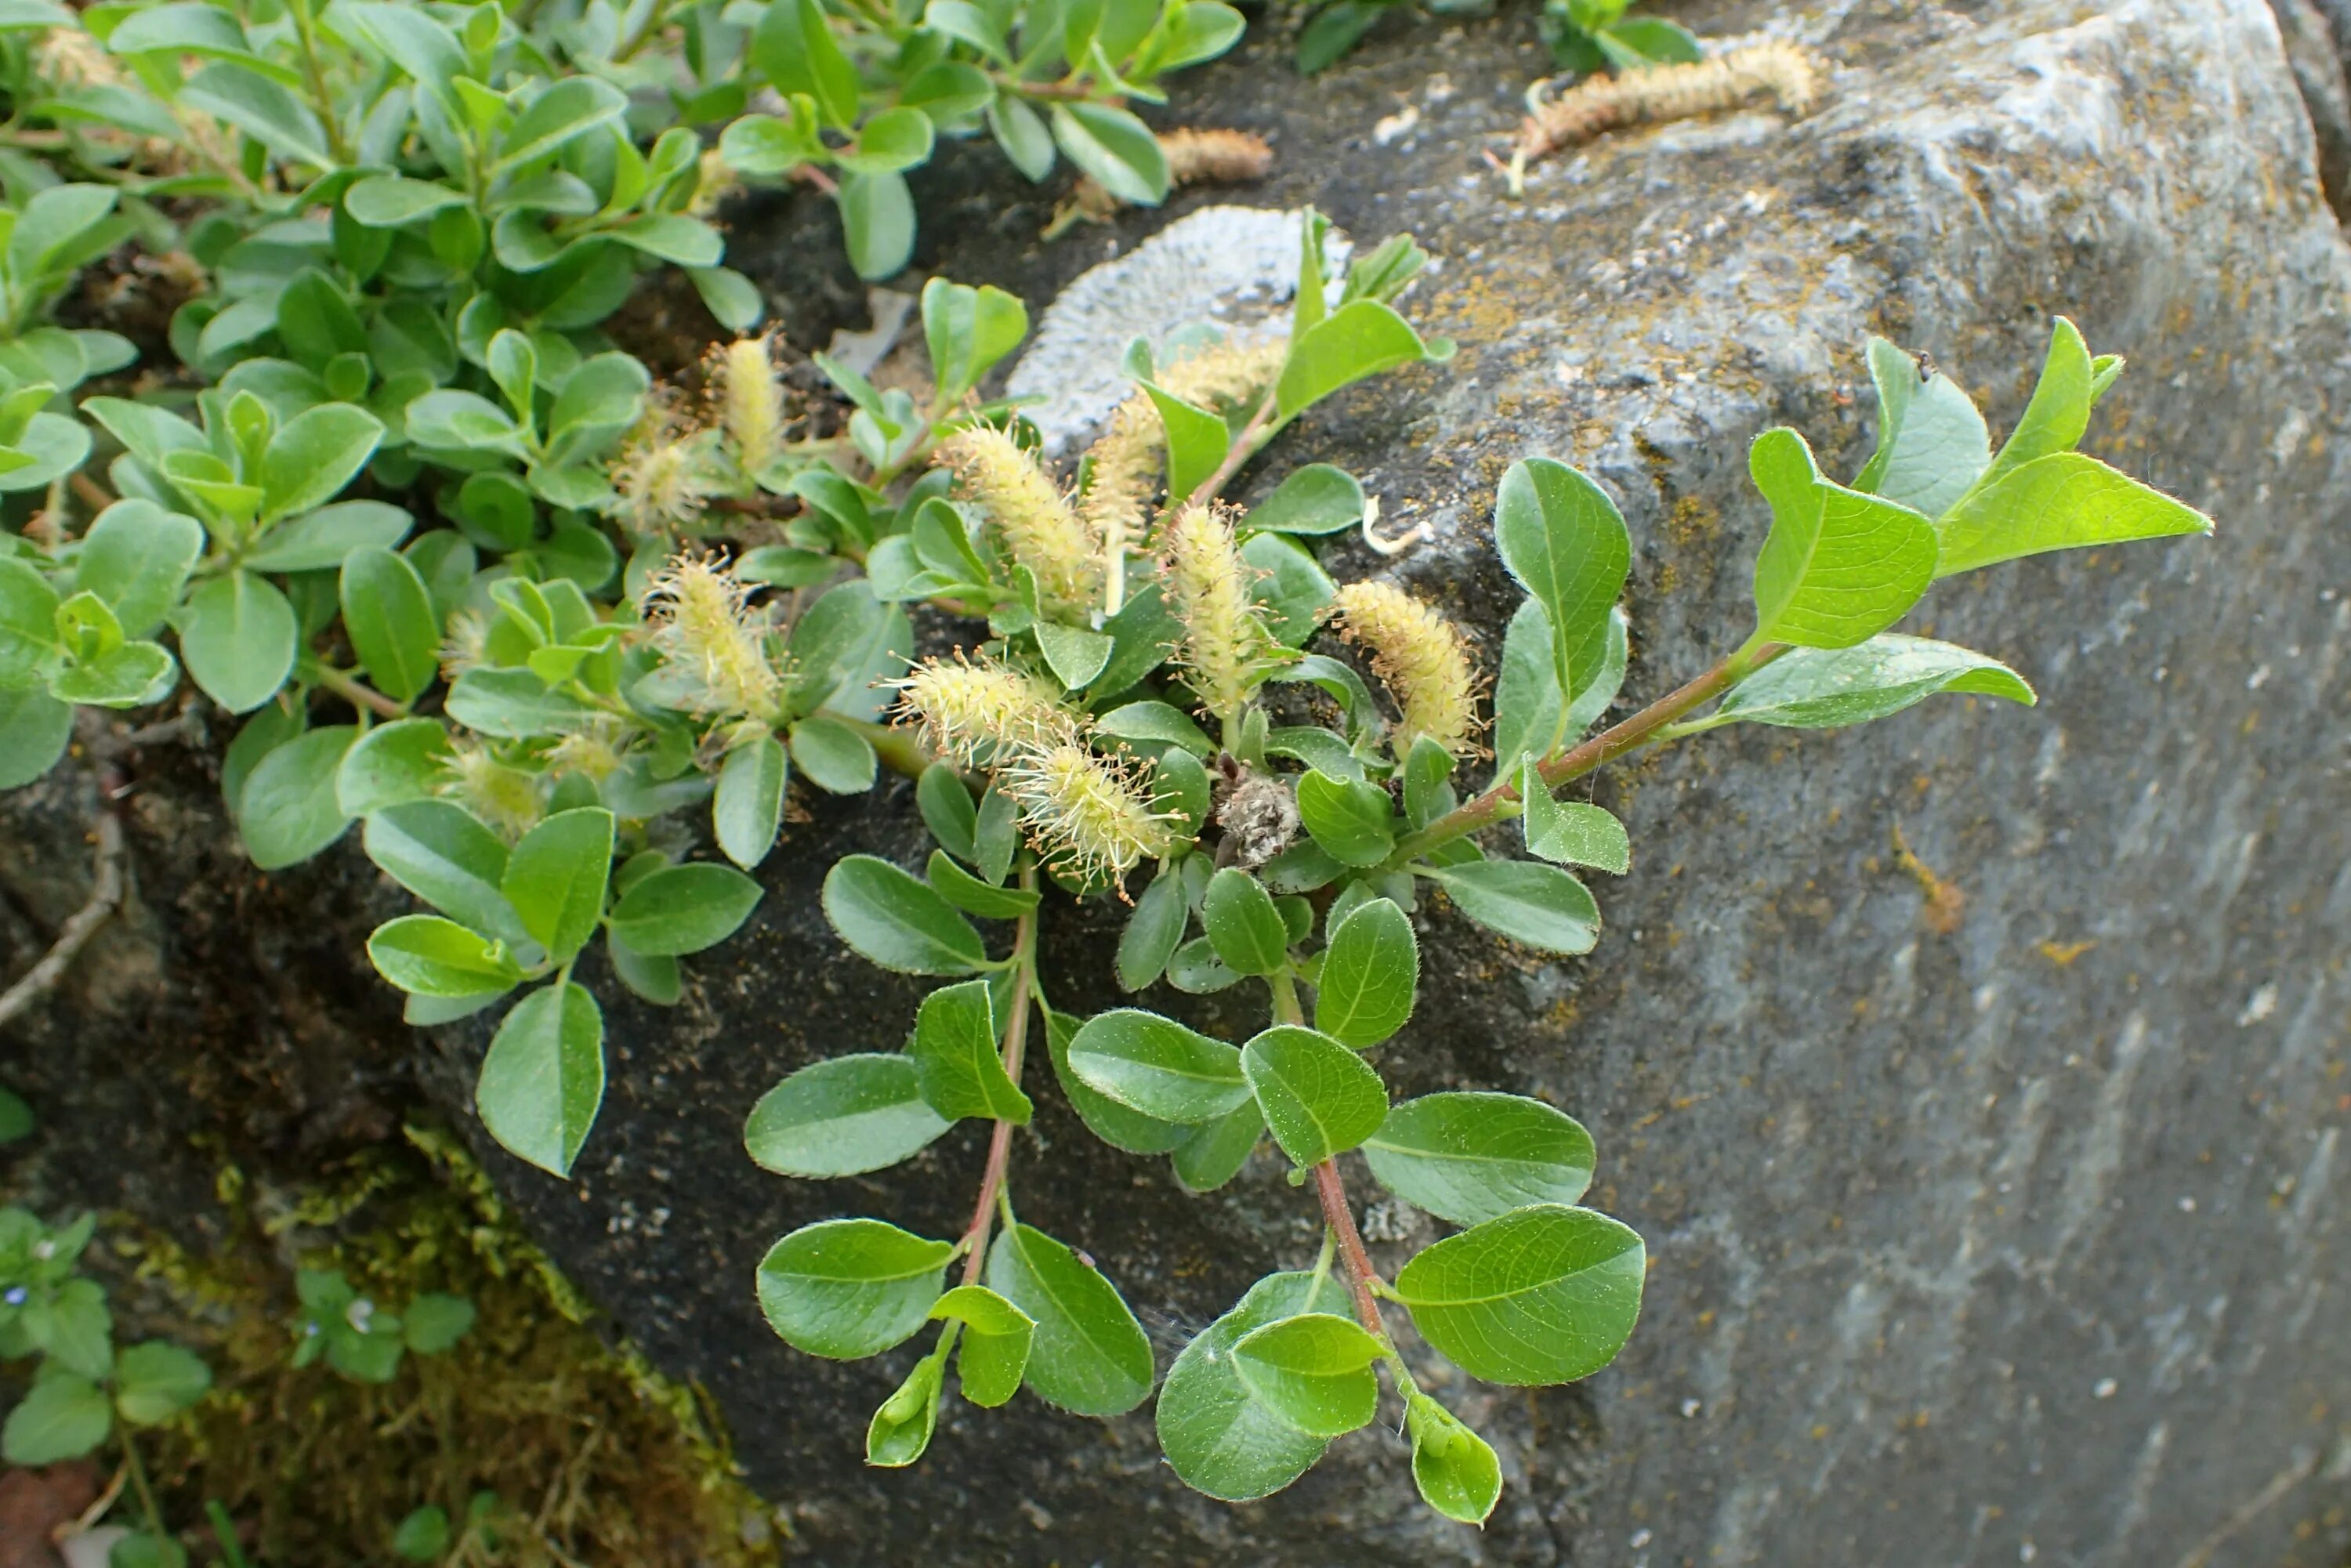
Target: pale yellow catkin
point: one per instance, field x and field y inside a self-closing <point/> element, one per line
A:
<point x="662" y="475"/>
<point x="1226" y="646"/>
<point x="697" y="615"/>
<point x="747" y="395"/>
<point x="1420" y="657"/>
<point x="967" y="708"/>
<point x="1780" y="71"/>
<point x="1091" y="816"/>
<point x="1029" y="515"/>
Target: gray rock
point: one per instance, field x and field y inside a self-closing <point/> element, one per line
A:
<point x="2017" y="1241"/>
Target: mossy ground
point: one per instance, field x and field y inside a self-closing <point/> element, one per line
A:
<point x="594" y="1457"/>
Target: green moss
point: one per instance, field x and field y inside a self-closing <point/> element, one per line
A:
<point x="597" y="1458"/>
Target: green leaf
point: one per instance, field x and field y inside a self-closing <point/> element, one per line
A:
<point x="34" y="730"/>
<point x="569" y="110"/>
<point x="1218" y="1437"/>
<point x="513" y="705"/>
<point x="1455" y="1469"/>
<point x="28" y="623"/>
<point x="314" y="455"/>
<point x="996" y="1341"/>
<point x="842" y="1116"/>
<point x="680" y="909"/>
<point x="1112" y="1123"/>
<point x="80" y="1335"/>
<point x="154" y="1380"/>
<point x="544" y="1076"/>
<point x="1020" y="131"/>
<point x="948" y="810"/>
<point x="890" y="141"/>
<point x="389" y="616"/>
<point x="320" y="540"/>
<point x="1089" y="1355"/>
<point x="438" y="851"/>
<point x="2064" y="501"/>
<point x="1074" y="654"/>
<point x="972" y="896"/>
<point x="2058" y="413"/>
<point x="422" y="1535"/>
<point x="237" y="635"/>
<point x="1838" y="567"/>
<point x="1115" y="147"/>
<point x="901" y="1428"/>
<point x="1359" y="338"/>
<point x="15" y="1118"/>
<point x="877" y="217"/>
<point x="1571" y="833"/>
<point x="1335" y="29"/>
<point x="1931" y="443"/>
<point x="1153" y="932"/>
<point x="1151" y="720"/>
<point x="1351" y="818"/>
<point x="1525" y="901"/>
<point x="1473" y="1156"/>
<point x="1564" y="541"/>
<point x="1158" y="1067"/>
<point x="749" y="802"/>
<point x="1215" y="1154"/>
<point x="1242" y="924"/>
<point x="131" y="675"/>
<point x="1291" y="588"/>
<point x="848" y="1289"/>
<point x="1319" y="498"/>
<point x="64" y="1417"/>
<point x="389" y="201"/>
<point x="555" y="879"/>
<point x="833" y="756"/>
<point x="435" y="1322"/>
<point x="136" y="557"/>
<point x="793" y="48"/>
<point x="897" y="921"/>
<point x="1371" y="971"/>
<point x="1818" y="688"/>
<point x="1313" y="1370"/>
<point x="1195" y="967"/>
<point x="1319" y="1098"/>
<point x="1540" y="1295"/>
<point x="955" y="1055"/>
<point x="1198" y="440"/>
<point x="287" y="811"/>
<point x="427" y="956"/>
<point x="392" y="764"/>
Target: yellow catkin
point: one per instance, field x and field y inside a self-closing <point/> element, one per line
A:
<point x="663" y="477"/>
<point x="1029" y="515"/>
<point x="1091" y="816"/>
<point x="1125" y="464"/>
<point x="1780" y="71"/>
<point x="969" y="707"/>
<point x="1420" y="657"/>
<point x="700" y="621"/>
<point x="1226" y="647"/>
<point x="507" y="798"/>
<point x="747" y="395"/>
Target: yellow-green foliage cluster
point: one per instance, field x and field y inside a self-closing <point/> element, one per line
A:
<point x="598" y="1459"/>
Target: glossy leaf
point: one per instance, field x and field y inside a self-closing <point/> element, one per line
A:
<point x="1218" y="1437"/>
<point x="1115" y="1124"/>
<point x="544" y="1077"/>
<point x="427" y="956"/>
<point x="1158" y="1067"/>
<point x="238" y="634"/>
<point x="1319" y="1098"/>
<point x="1359" y="338"/>
<point x="847" y="1289"/>
<point x="389" y="616"/>
<point x="555" y="878"/>
<point x="1539" y="1295"/>
<point x="901" y="1428"/>
<point x="1472" y="1157"/>
<point x="1838" y="567"/>
<point x="2067" y="500"/>
<point x="1525" y="901"/>
<point x="897" y="921"/>
<point x="1571" y="833"/>
<point x="289" y="810"/>
<point x="1313" y="1370"/>
<point x="682" y="909"/>
<point x="394" y="764"/>
<point x="1242" y="924"/>
<point x="996" y="1337"/>
<point x="1089" y="1356"/>
<point x="1564" y="541"/>
<point x="1369" y="976"/>
<point x="1353" y="820"/>
<point x="1819" y="688"/>
<point x="957" y="1058"/>
<point x="136" y="557"/>
<point x="748" y="805"/>
<point x="842" y="1116"/>
<point x="1931" y="443"/>
<point x="1453" y="1468"/>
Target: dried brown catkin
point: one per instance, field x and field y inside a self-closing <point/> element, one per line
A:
<point x="1780" y="71"/>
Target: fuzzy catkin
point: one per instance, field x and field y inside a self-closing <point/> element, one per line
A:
<point x="1780" y="71"/>
<point x="1420" y="657"/>
<point x="1225" y="646"/>
<point x="965" y="708"/>
<point x="1036" y="523"/>
<point x="1091" y="816"/>
<point x="1126" y="463"/>
<point x="748" y="398"/>
<point x="698" y="616"/>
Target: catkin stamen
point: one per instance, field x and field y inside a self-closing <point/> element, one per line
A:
<point x="749" y="400"/>
<point x="1091" y="816"/>
<point x="1420" y="657"/>
<point x="1226" y="647"/>
<point x="968" y="709"/>
<point x="699" y="617"/>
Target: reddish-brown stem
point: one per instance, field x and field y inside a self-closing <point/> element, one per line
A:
<point x="999" y="1143"/>
<point x="1342" y="1221"/>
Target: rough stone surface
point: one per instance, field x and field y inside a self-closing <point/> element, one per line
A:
<point x="2016" y="1242"/>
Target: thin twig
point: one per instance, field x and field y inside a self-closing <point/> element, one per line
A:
<point x="105" y="898"/>
<point x="1015" y="1040"/>
<point x="1333" y="1191"/>
<point x="1244" y="448"/>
